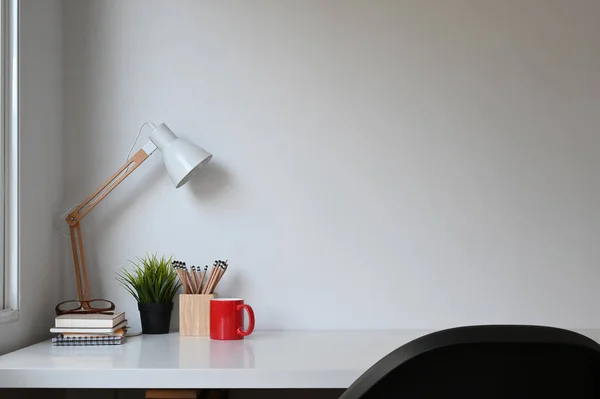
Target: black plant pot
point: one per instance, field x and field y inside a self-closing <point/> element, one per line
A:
<point x="156" y="317"/>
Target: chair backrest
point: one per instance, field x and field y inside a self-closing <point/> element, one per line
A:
<point x="488" y="361"/>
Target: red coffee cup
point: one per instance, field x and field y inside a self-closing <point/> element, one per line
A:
<point x="227" y="318"/>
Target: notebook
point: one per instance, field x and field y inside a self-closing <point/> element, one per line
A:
<point x="108" y="330"/>
<point x="61" y="340"/>
<point x="119" y="333"/>
<point x="94" y="320"/>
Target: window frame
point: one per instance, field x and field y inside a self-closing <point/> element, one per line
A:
<point x="9" y="167"/>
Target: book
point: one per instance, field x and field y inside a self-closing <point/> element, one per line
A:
<point x="60" y="340"/>
<point x="94" y="320"/>
<point x="119" y="333"/>
<point x="87" y="343"/>
<point x="107" y="330"/>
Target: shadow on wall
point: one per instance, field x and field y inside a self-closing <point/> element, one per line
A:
<point x="208" y="185"/>
<point x="211" y="182"/>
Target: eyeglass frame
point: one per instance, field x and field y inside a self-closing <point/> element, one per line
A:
<point x="85" y="308"/>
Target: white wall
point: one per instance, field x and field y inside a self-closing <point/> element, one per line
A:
<point x="390" y="164"/>
<point x="41" y="172"/>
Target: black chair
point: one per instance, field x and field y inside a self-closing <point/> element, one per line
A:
<point x="490" y="361"/>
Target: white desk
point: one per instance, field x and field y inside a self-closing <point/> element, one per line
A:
<point x="263" y="360"/>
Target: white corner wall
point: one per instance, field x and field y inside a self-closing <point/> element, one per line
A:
<point x="41" y="172"/>
<point x="389" y="164"/>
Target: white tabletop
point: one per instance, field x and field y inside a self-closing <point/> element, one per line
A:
<point x="263" y="360"/>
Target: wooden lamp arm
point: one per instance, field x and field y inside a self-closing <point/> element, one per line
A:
<point x="73" y="219"/>
<point x="109" y="185"/>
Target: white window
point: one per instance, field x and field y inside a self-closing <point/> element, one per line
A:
<point x="9" y="162"/>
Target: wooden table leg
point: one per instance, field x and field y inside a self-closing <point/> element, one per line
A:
<point x="171" y="394"/>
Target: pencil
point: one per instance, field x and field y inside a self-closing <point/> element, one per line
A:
<point x="191" y="279"/>
<point x="188" y="279"/>
<point x="194" y="279"/>
<point x="197" y="276"/>
<point x="182" y="278"/>
<point x="222" y="271"/>
<point x="210" y="280"/>
<point x="202" y="275"/>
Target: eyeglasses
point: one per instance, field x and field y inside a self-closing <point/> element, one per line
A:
<point x="101" y="306"/>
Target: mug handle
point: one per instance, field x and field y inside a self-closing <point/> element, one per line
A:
<point x="250" y="320"/>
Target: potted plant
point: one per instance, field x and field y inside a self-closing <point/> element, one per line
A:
<point x="153" y="283"/>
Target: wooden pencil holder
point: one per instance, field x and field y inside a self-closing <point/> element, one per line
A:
<point x="194" y="314"/>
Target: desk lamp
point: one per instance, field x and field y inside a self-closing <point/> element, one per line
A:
<point x="182" y="160"/>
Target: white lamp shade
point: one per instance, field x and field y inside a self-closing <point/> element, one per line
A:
<point x="182" y="158"/>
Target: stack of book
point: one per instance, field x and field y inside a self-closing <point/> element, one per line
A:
<point x="89" y="329"/>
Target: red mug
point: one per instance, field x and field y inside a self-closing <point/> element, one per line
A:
<point x="227" y="318"/>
